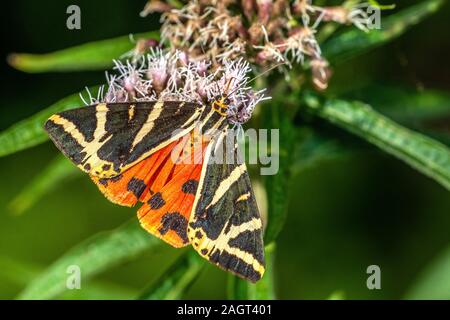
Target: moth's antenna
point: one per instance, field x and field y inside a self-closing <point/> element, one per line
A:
<point x="257" y="76"/>
<point x="217" y="86"/>
<point x="203" y="49"/>
<point x="229" y="84"/>
<point x="265" y="71"/>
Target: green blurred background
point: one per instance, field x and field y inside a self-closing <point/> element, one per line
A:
<point x="345" y="214"/>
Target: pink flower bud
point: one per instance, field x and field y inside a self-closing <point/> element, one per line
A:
<point x="263" y="57"/>
<point x="256" y="33"/>
<point x="159" y="78"/>
<point x="184" y="58"/>
<point x="155" y="6"/>
<point x="264" y="10"/>
<point x="336" y="14"/>
<point x="248" y="6"/>
<point x="202" y="68"/>
<point x="321" y="73"/>
<point x="131" y="81"/>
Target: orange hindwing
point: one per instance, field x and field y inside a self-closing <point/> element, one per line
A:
<point x="166" y="182"/>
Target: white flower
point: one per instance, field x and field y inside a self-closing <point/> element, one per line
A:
<point x="170" y="76"/>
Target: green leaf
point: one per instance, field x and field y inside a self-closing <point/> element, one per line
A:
<point x="177" y="279"/>
<point x="427" y="111"/>
<point x="407" y="105"/>
<point x="428" y="156"/>
<point x="434" y="282"/>
<point x="92" y="256"/>
<point x="96" y="290"/>
<point x="21" y="273"/>
<point x="239" y="289"/>
<point x="277" y="185"/>
<point x="57" y="171"/>
<point x="354" y="41"/>
<point x="337" y="295"/>
<point x="375" y="3"/>
<point x="30" y="132"/>
<point x="16" y="272"/>
<point x="97" y="55"/>
<point x="314" y="146"/>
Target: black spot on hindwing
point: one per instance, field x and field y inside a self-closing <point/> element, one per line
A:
<point x="137" y="186"/>
<point x="176" y="222"/>
<point x="156" y="201"/>
<point x="190" y="186"/>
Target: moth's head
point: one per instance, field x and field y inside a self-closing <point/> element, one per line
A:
<point x="237" y="107"/>
<point x="240" y="109"/>
<point x="223" y="100"/>
<point x="221" y="104"/>
<point x="229" y="93"/>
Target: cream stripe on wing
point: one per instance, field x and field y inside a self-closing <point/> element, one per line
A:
<point x="100" y="131"/>
<point x="69" y="127"/>
<point x="201" y="181"/>
<point x="243" y="197"/>
<point x="131" y="112"/>
<point x="90" y="149"/>
<point x="221" y="243"/>
<point x="148" y="125"/>
<point x="226" y="184"/>
<point x="211" y="131"/>
<point x="207" y="156"/>
<point x="101" y="110"/>
<point x="195" y="115"/>
<point x="208" y="116"/>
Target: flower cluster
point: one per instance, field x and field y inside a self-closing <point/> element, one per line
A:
<point x="171" y="76"/>
<point x="207" y="44"/>
<point x="264" y="32"/>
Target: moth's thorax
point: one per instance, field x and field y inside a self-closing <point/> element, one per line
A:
<point x="220" y="105"/>
<point x="214" y="117"/>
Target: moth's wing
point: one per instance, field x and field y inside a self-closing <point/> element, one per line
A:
<point x="134" y="184"/>
<point x="167" y="208"/>
<point x="225" y="225"/>
<point x="166" y="183"/>
<point x="106" y="139"/>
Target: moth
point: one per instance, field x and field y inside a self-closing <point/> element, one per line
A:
<point x="136" y="153"/>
